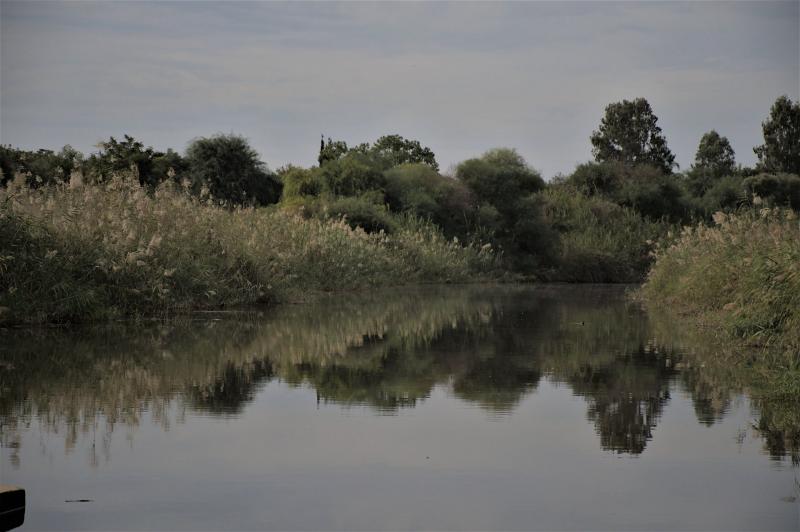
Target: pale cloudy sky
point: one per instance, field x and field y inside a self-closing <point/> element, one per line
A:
<point x="460" y="77"/>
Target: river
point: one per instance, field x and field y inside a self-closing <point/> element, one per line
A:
<point x="440" y="407"/>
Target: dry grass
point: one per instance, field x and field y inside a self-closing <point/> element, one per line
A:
<point x="741" y="274"/>
<point x="84" y="251"/>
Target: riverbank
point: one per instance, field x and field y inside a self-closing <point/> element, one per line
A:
<point x="83" y="252"/>
<point x="741" y="277"/>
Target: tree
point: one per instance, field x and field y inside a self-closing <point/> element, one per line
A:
<point x="714" y="153"/>
<point x="387" y="152"/>
<point x="398" y="150"/>
<point x="505" y="185"/>
<point x="232" y="170"/>
<point x="41" y="166"/>
<point x="500" y="177"/>
<point x="629" y="133"/>
<point x="714" y="160"/>
<point x="781" y="149"/>
<point x="332" y="151"/>
<point x="116" y="156"/>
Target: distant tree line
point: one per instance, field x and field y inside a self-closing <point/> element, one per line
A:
<point x="496" y="198"/>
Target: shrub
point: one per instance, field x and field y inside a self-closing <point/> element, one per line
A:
<point x="777" y="189"/>
<point x="592" y="179"/>
<point x="351" y="175"/>
<point x="419" y="190"/>
<point x="599" y="241"/>
<point x="363" y="212"/>
<point x="300" y="182"/>
<point x="727" y="194"/>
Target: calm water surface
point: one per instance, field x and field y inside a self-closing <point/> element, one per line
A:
<point x="482" y="408"/>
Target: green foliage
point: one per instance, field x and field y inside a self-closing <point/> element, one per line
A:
<point x="743" y="275"/>
<point x="387" y="152"/>
<point x="363" y="212"/>
<point x="592" y="178"/>
<point x="726" y="194"/>
<point x="777" y="189"/>
<point x="643" y="187"/>
<point x="351" y="175"/>
<point x="599" y="241"/>
<point x="331" y="151"/>
<point x="655" y="196"/>
<point x="300" y="182"/>
<point x="781" y="149"/>
<point x="419" y="189"/>
<point x="500" y="177"/>
<point x="89" y="251"/>
<point x="39" y="167"/>
<point x="714" y="160"/>
<point x="629" y="133"/>
<point x="503" y="183"/>
<point x="114" y="157"/>
<point x="398" y="150"/>
<point x="231" y="170"/>
<point x="715" y="154"/>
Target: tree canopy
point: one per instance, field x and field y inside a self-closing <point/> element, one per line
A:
<point x="715" y="154"/>
<point x="629" y="133"/>
<point x="388" y="151"/>
<point x="781" y="149"/>
<point x="232" y="170"/>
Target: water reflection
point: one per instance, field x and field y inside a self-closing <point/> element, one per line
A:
<point x="491" y="346"/>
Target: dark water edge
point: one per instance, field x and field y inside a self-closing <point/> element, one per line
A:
<point x="436" y="407"/>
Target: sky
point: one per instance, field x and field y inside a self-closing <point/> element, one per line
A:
<point x="461" y="78"/>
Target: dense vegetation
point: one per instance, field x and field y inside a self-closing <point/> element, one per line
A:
<point x="229" y="230"/>
<point x="80" y="251"/>
<point x="742" y="274"/>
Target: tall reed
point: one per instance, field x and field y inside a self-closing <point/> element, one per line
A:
<point x="97" y="251"/>
<point x="742" y="274"/>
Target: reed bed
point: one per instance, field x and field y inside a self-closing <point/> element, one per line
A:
<point x="79" y="252"/>
<point x="742" y="275"/>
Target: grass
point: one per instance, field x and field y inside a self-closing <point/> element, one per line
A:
<point x="741" y="275"/>
<point x="82" y="252"/>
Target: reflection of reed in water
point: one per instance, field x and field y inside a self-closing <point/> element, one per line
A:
<point x="69" y="381"/>
<point x="713" y="371"/>
<point x="387" y="350"/>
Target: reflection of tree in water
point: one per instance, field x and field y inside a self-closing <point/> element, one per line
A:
<point x="626" y="397"/>
<point x="492" y="345"/>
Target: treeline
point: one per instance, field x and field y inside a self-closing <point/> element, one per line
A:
<point x="596" y="224"/>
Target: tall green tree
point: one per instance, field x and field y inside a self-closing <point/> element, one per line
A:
<point x="715" y="154"/>
<point x="398" y="150"/>
<point x="781" y="149"/>
<point x="232" y="170"/>
<point x="629" y="133"/>
<point x="714" y="160"/>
